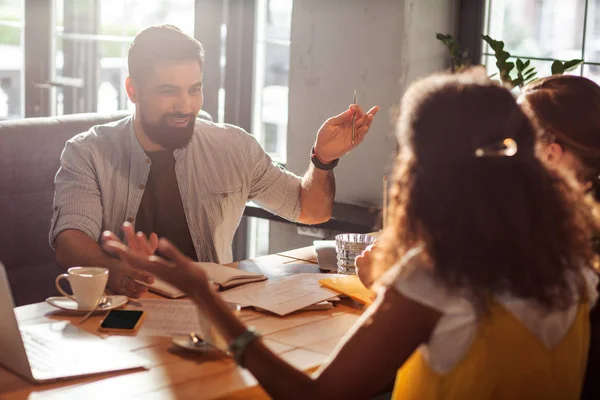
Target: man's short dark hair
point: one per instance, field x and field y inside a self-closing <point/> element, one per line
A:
<point x="159" y="43"/>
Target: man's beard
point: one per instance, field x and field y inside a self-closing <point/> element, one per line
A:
<point x="169" y="137"/>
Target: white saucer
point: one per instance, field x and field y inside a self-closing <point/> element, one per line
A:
<point x="186" y="343"/>
<point x="66" y="303"/>
<point x="202" y="347"/>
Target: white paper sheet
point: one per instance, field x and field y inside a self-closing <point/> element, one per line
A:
<point x="174" y="317"/>
<point x="282" y="296"/>
<point x="168" y="317"/>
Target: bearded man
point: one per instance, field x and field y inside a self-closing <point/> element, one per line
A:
<point x="175" y="176"/>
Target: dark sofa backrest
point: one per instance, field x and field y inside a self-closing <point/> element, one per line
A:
<point x="30" y="152"/>
<point x="29" y="158"/>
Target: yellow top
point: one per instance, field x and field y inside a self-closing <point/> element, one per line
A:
<point x="504" y="361"/>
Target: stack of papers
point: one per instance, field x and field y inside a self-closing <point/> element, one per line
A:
<point x="284" y="295"/>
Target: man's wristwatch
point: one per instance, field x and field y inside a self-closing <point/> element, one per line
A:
<point x="321" y="165"/>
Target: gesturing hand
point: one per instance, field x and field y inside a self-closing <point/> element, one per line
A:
<point x="175" y="268"/>
<point x="123" y="279"/>
<point x="334" y="138"/>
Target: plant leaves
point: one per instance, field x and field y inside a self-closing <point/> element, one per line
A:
<point x="529" y="76"/>
<point x="494" y="44"/>
<point x="503" y="69"/>
<point x="557" y="68"/>
<point x="526" y="64"/>
<point x="528" y="81"/>
<point x="503" y="55"/>
<point x="572" y="64"/>
<point x="520" y="64"/>
<point x="458" y="56"/>
<point x="487" y="39"/>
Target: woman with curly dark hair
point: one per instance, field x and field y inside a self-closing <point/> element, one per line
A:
<point x="485" y="275"/>
<point x="567" y="109"/>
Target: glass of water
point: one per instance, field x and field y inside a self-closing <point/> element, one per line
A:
<point x="348" y="246"/>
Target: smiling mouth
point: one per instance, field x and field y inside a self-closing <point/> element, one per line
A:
<point x="179" y="121"/>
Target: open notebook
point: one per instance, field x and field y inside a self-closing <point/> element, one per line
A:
<point x="225" y="277"/>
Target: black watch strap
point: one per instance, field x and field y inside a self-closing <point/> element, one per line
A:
<point x="321" y="165"/>
<point x="238" y="346"/>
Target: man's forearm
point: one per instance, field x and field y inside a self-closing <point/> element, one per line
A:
<point x="75" y="248"/>
<point x="316" y="195"/>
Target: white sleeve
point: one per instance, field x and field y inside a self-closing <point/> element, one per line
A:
<point x="454" y="332"/>
<point x="415" y="279"/>
<point x="273" y="187"/>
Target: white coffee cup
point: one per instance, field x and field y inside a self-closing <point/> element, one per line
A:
<point x="87" y="283"/>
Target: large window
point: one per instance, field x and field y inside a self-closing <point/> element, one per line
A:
<point x="545" y="30"/>
<point x="272" y="65"/>
<point x="11" y="60"/>
<point x="270" y="102"/>
<point x="92" y="39"/>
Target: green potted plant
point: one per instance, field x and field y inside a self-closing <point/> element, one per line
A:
<point x="512" y="74"/>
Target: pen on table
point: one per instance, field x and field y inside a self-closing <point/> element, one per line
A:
<point x="354" y="119"/>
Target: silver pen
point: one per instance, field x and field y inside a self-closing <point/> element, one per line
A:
<point x="354" y="119"/>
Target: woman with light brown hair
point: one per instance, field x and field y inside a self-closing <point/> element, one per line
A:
<point x="485" y="279"/>
<point x="567" y="110"/>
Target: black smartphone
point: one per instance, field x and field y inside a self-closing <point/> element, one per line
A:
<point x="124" y="322"/>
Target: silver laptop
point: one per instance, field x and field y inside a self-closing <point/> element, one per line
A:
<point x="42" y="352"/>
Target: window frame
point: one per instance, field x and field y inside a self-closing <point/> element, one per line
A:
<point x="485" y="47"/>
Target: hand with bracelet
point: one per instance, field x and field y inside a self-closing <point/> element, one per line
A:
<point x="334" y="138"/>
<point x="378" y="340"/>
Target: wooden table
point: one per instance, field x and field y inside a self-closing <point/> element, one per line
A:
<point x="304" y="339"/>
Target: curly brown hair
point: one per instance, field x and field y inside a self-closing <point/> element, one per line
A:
<point x="488" y="225"/>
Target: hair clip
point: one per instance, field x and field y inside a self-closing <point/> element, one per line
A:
<point x="509" y="149"/>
